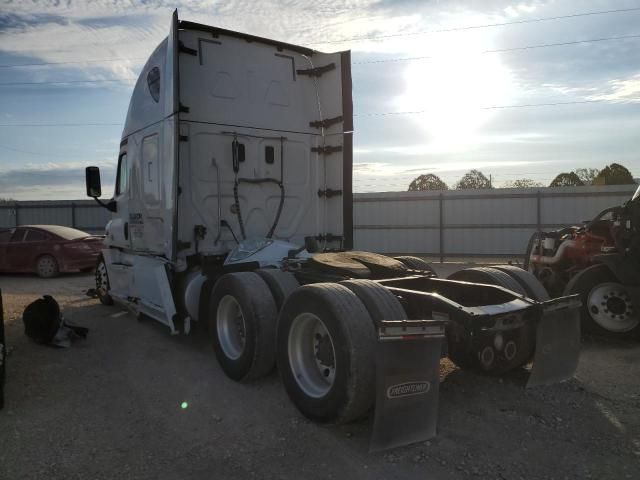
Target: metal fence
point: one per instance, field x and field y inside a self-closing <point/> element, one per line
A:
<point x="84" y="215"/>
<point x="458" y="223"/>
<point x="463" y="223"/>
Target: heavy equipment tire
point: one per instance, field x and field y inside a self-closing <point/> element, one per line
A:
<point x="527" y="280"/>
<point x="242" y="325"/>
<point x="525" y="342"/>
<point x="282" y="284"/>
<point x="599" y="290"/>
<point x="102" y="282"/>
<point x="326" y="353"/>
<point x="379" y="302"/>
<point x="47" y="266"/>
<point x="416" y="263"/>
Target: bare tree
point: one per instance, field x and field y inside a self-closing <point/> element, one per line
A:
<point x="473" y="179"/>
<point x="522" y="183"/>
<point x="567" y="180"/>
<point x="427" y="182"/>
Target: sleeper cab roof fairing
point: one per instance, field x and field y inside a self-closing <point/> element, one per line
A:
<point x="150" y="95"/>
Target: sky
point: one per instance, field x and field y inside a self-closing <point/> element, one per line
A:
<point x="439" y="86"/>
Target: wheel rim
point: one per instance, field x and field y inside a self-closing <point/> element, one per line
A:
<point x="102" y="280"/>
<point x="312" y="355"/>
<point x="231" y="327"/>
<point x="46" y="266"/>
<point x="610" y="306"/>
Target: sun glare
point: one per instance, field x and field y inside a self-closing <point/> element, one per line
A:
<point x="452" y="88"/>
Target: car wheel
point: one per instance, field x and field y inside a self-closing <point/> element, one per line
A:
<point x="47" y="267"/>
<point x="102" y="283"/>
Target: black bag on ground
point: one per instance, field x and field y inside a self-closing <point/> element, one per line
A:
<point x="44" y="324"/>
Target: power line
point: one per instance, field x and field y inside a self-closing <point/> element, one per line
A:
<point x="492" y="107"/>
<point x="472" y="27"/>
<point x="64" y="82"/>
<point x="512" y="49"/>
<point x="416" y="112"/>
<point x="39" y="154"/>
<point x="18" y="65"/>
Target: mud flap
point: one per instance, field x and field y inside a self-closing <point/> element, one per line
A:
<point x="557" y="342"/>
<point x="407" y="382"/>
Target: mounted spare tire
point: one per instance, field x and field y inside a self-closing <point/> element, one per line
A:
<point x="325" y="352"/>
<point x="242" y="325"/>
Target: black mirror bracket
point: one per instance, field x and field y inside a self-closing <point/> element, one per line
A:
<point x="111" y="205"/>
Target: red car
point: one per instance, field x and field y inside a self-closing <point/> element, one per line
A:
<point x="47" y="249"/>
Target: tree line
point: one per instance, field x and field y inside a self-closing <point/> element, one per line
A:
<point x="614" y="174"/>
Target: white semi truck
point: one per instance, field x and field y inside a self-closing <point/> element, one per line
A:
<point x="233" y="209"/>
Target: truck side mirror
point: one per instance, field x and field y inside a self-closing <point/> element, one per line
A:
<point x="92" y="179"/>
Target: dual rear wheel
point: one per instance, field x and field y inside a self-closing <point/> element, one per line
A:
<point x="323" y="341"/>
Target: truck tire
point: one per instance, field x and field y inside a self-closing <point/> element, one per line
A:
<point x="102" y="282"/>
<point x="282" y="284"/>
<point x="416" y="263"/>
<point x="527" y="280"/>
<point x="489" y="276"/>
<point x="242" y="325"/>
<point x="606" y="305"/>
<point x="379" y="302"/>
<point x="524" y="342"/>
<point x="326" y="353"/>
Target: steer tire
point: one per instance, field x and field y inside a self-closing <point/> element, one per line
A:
<point x="583" y="284"/>
<point x="282" y="284"/>
<point x="343" y="316"/>
<point x="526" y="339"/>
<point x="416" y="263"/>
<point x="244" y="344"/>
<point x="379" y="302"/>
<point x="102" y="282"/>
<point x="527" y="280"/>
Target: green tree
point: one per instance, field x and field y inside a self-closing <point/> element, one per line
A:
<point x="587" y="175"/>
<point x="614" y="174"/>
<point x="567" y="180"/>
<point x="427" y="182"/>
<point x="473" y="179"/>
<point x="522" y="183"/>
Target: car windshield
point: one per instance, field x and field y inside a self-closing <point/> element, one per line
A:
<point x="67" y="233"/>
<point x="637" y="194"/>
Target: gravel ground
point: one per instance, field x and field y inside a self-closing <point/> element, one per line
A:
<point x="110" y="407"/>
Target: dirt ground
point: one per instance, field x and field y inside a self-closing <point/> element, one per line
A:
<point x="110" y="407"/>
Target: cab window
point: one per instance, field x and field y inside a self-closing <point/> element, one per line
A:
<point x="122" y="180"/>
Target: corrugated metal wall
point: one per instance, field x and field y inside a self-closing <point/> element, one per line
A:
<point x="473" y="222"/>
<point x="447" y="224"/>
<point x="84" y="215"/>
